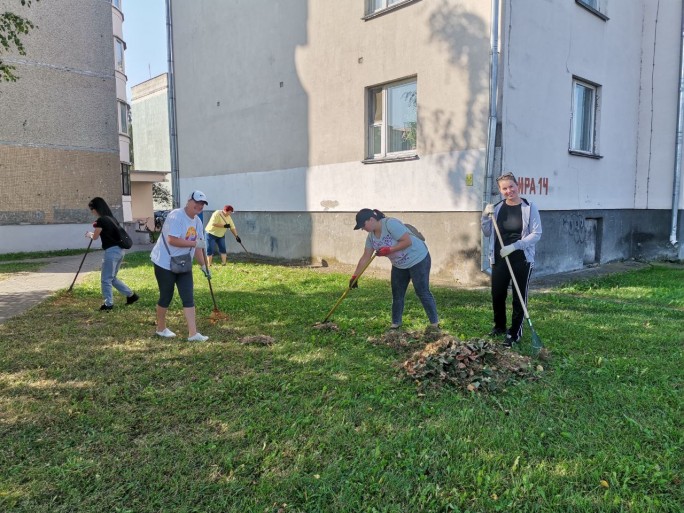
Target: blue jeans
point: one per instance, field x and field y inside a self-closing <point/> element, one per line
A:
<point x="420" y="274"/>
<point x="110" y="267"/>
<point x="220" y="241"/>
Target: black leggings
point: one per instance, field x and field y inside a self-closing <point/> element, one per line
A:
<point x="501" y="279"/>
<point x="166" y="281"/>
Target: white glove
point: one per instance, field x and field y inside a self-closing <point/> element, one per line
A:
<point x="200" y="244"/>
<point x="507" y="250"/>
<point x="489" y="209"/>
<point x="89" y="235"/>
<point x="206" y="272"/>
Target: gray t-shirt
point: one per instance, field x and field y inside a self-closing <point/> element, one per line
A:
<point x="392" y="231"/>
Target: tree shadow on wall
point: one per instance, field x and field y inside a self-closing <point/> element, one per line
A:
<point x="466" y="37"/>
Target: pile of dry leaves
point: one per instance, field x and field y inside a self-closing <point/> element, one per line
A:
<point x="473" y="365"/>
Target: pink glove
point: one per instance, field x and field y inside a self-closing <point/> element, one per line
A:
<point x="384" y="251"/>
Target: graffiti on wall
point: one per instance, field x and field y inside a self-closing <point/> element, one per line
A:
<point x="574" y="225"/>
<point x="529" y="185"/>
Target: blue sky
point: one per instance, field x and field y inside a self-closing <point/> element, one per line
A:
<point x="144" y="31"/>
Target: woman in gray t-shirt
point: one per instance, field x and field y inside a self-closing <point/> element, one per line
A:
<point x="410" y="259"/>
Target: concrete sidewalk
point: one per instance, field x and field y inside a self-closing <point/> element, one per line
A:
<point x="26" y="290"/>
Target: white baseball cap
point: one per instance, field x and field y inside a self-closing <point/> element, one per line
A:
<point x="199" y="196"/>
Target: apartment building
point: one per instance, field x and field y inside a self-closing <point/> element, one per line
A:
<point x="150" y="109"/>
<point x="60" y="135"/>
<point x="299" y="113"/>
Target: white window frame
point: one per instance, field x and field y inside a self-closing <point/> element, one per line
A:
<point x="119" y="44"/>
<point x="371" y="124"/>
<point x="578" y="135"/>
<point x="123" y="114"/>
<point x="370" y="10"/>
<point x="597" y="7"/>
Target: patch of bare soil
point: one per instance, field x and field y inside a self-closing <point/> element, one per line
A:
<point x="475" y="365"/>
<point x="257" y="340"/>
<point x="326" y="326"/>
<point x="406" y="340"/>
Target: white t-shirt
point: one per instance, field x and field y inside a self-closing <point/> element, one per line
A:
<point x="179" y="225"/>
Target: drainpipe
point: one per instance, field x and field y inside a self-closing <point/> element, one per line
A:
<point x="678" y="145"/>
<point x="173" y="136"/>
<point x="491" y="133"/>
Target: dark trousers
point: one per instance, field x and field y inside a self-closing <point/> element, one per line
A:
<point x="501" y="279"/>
<point x="166" y="281"/>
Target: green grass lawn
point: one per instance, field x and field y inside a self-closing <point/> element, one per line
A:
<point x="98" y="415"/>
<point x="6" y="257"/>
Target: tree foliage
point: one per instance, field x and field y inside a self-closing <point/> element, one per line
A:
<point x="161" y="194"/>
<point x="12" y="27"/>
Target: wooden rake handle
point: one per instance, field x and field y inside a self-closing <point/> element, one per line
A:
<point x="349" y="288"/>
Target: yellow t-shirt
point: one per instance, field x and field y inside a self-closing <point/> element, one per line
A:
<point x="219" y="217"/>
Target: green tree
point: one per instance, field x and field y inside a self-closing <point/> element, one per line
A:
<point x="162" y="195"/>
<point x="12" y="27"/>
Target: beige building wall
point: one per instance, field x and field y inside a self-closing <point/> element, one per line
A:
<point x="150" y="111"/>
<point x="280" y="89"/>
<point x="59" y="135"/>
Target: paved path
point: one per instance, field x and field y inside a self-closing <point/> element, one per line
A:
<point x="25" y="290"/>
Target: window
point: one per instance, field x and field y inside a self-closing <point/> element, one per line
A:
<point x="585" y="114"/>
<point x="392" y="119"/>
<point x="117" y="4"/>
<point x="598" y="7"/>
<point x="377" y="6"/>
<point x="123" y="118"/>
<point x="126" y="179"/>
<point x="119" y="48"/>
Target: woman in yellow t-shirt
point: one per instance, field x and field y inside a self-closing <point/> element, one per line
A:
<point x="219" y="222"/>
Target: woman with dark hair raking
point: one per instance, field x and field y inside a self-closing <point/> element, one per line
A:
<point x="520" y="226"/>
<point x="107" y="228"/>
<point x="410" y="259"/>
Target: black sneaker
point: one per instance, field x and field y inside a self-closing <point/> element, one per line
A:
<point x="106" y="308"/>
<point x="496" y="332"/>
<point x="132" y="299"/>
<point x="509" y="341"/>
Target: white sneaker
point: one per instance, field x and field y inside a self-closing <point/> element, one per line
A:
<point x="167" y="333"/>
<point x="198" y="337"/>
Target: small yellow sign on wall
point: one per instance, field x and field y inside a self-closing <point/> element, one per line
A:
<point x="469" y="179"/>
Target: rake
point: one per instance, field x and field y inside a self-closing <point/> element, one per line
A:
<point x="348" y="289"/>
<point x="79" y="267"/>
<point x="537" y="344"/>
<point x="216" y="313"/>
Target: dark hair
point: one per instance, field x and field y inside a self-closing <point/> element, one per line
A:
<point x="100" y="206"/>
<point x="365" y="214"/>
<point x="378" y="215"/>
